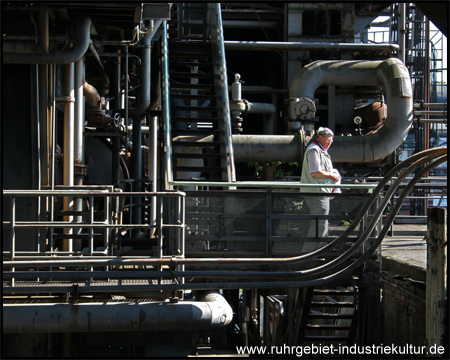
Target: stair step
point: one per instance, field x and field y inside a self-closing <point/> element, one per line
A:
<point x="193" y="97"/>
<point x="195" y="156"/>
<point x="188" y="74"/>
<point x="210" y="144"/>
<point x="327" y="327"/>
<point x="189" y="44"/>
<point x="194" y="108"/>
<point x="329" y="338"/>
<point x="333" y="292"/>
<point x="331" y="304"/>
<point x="202" y="122"/>
<point x="330" y="316"/>
<point x="180" y="86"/>
<point x="197" y="168"/>
<point x="186" y="54"/>
<point x="189" y="63"/>
<point x="78" y="236"/>
<point x="199" y="132"/>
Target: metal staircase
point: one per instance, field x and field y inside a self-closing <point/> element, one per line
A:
<point x="329" y="316"/>
<point x="199" y="120"/>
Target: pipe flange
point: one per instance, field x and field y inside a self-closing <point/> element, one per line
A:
<point x="305" y="108"/>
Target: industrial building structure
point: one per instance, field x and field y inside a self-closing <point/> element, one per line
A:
<point x="151" y="170"/>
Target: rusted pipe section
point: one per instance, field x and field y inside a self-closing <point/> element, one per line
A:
<point x="67" y="56"/>
<point x="92" y="96"/>
<point x="210" y="312"/>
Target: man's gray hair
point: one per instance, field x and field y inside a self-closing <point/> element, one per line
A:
<point x="324" y="131"/>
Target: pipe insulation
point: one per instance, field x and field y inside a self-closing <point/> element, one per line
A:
<point x="390" y="73"/>
<point x="210" y="311"/>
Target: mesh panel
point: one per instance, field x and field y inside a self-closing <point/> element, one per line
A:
<point x="239" y="221"/>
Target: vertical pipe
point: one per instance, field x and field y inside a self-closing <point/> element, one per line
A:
<point x="68" y="175"/>
<point x="91" y="221"/>
<point x="52" y="122"/>
<point x="402" y="32"/>
<point x="332" y="107"/>
<point x="43" y="27"/>
<point x="79" y="141"/>
<point x="153" y="165"/>
<point x="53" y="127"/>
<point x="13" y="227"/>
<point x="13" y="233"/>
<point x="183" y="232"/>
<point x="136" y="168"/>
<point x="160" y="227"/>
<point x="79" y="119"/>
<point x="115" y="140"/>
<point x="43" y="122"/>
<point x="427" y="95"/>
<point x="107" y="244"/>
<point x="37" y="150"/>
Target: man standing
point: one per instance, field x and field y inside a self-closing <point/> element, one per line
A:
<point x="318" y="169"/>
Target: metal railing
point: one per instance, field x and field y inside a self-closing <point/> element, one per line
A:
<point x="53" y="233"/>
<point x="265" y="223"/>
<point x="103" y="209"/>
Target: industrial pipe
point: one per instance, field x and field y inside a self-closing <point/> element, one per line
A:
<point x="79" y="148"/>
<point x="243" y="107"/>
<point x="390" y="73"/>
<point x="210" y="312"/>
<point x="267" y="148"/>
<point x="145" y="78"/>
<point x="67" y="56"/>
<point x="306" y="46"/>
<point x="69" y="139"/>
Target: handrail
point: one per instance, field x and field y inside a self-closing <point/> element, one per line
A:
<point x="215" y="32"/>
<point x="272" y="184"/>
<point x="108" y="222"/>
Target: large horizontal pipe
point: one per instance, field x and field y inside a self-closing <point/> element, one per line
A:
<point x="266" y="148"/>
<point x="306" y="46"/>
<point x="211" y="312"/>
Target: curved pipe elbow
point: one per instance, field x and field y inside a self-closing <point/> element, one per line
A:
<point x="390" y="73"/>
<point x="68" y="56"/>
